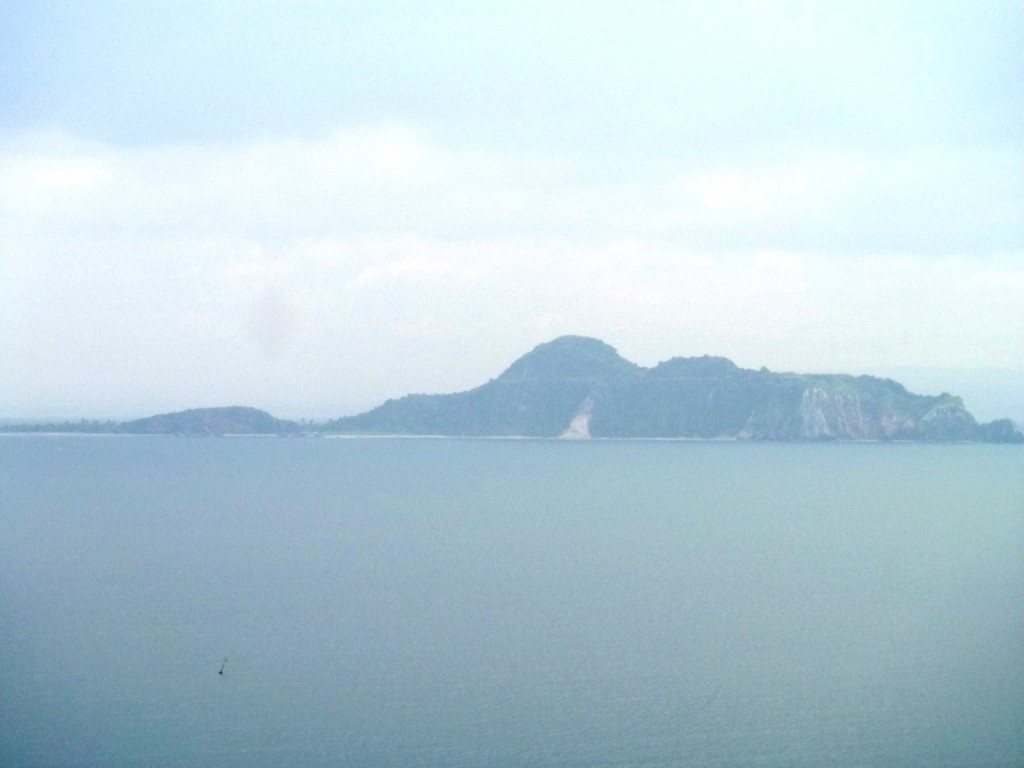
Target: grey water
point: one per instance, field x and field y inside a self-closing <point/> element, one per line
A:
<point x="400" y="602"/>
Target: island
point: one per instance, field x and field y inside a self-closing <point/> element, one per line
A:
<point x="578" y="388"/>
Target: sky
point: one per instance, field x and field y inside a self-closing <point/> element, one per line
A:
<point x="312" y="207"/>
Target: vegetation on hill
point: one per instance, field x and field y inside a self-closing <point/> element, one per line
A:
<point x="234" y="420"/>
<point x="580" y="387"/>
<point x="585" y="383"/>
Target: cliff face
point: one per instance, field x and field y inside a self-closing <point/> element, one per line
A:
<point x="824" y="415"/>
<point x="832" y="415"/>
<point x="576" y="387"/>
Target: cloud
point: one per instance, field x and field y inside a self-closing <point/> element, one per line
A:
<point x="387" y="181"/>
<point x="274" y="321"/>
<point x="793" y="185"/>
<point x="403" y="270"/>
<point x="77" y="176"/>
<point x="339" y="271"/>
<point x="257" y="269"/>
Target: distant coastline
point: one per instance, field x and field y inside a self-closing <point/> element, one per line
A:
<point x="576" y="388"/>
<point x="5" y="433"/>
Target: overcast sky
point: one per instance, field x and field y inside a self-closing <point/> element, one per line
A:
<point x="312" y="207"/>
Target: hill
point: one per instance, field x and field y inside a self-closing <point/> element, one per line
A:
<point x="578" y="387"/>
<point x="233" y="420"/>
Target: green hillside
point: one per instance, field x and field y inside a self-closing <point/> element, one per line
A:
<point x="580" y="387"/>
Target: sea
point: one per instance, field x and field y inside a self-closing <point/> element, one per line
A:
<point x="429" y="603"/>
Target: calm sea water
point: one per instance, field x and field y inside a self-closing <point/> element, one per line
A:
<point x="509" y="603"/>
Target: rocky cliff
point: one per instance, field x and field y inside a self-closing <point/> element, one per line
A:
<point x="577" y="387"/>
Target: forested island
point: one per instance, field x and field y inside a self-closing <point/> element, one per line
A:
<point x="577" y="388"/>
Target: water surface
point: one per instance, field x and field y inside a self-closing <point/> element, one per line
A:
<point x="509" y="602"/>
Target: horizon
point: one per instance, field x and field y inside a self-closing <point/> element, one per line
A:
<point x="995" y="394"/>
<point x="317" y="207"/>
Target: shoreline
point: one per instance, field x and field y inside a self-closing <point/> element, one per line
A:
<point x="510" y="438"/>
